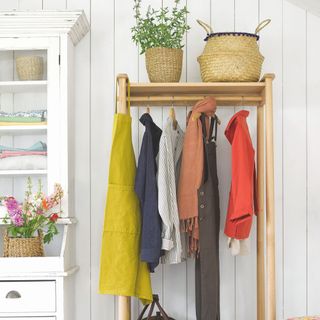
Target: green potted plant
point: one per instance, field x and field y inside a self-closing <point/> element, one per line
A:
<point x="159" y="34"/>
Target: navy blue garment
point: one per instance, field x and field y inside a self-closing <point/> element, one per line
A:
<point x="147" y="192"/>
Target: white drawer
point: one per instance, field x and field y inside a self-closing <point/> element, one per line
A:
<point x="27" y="296"/>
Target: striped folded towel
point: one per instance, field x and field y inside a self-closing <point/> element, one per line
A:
<point x="34" y="116"/>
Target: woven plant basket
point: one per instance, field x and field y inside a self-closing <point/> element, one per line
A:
<point x="23" y="247"/>
<point x="231" y="56"/>
<point x="164" y="64"/>
<point x="29" y="67"/>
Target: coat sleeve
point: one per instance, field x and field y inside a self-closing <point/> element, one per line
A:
<point x="164" y="198"/>
<point x="151" y="222"/>
<point x="140" y="179"/>
<point x="241" y="208"/>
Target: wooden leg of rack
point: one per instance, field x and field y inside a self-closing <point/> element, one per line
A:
<point x="261" y="216"/>
<point x="271" y="276"/>
<point x="124" y="303"/>
<point x="122" y="80"/>
<point x="124" y="308"/>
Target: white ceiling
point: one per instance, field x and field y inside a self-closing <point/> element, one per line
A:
<point x="312" y="6"/>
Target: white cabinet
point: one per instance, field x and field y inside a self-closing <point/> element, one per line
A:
<point x="42" y="287"/>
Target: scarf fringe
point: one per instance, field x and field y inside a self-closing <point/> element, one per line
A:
<point x="189" y="226"/>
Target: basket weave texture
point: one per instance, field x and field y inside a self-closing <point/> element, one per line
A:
<point x="164" y="64"/>
<point x="29" y="67"/>
<point x="23" y="247"/>
<point x="230" y="57"/>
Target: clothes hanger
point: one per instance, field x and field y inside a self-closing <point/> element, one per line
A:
<point x="197" y="115"/>
<point x="217" y="119"/>
<point x="148" y="108"/>
<point x="172" y="115"/>
<point x="242" y="101"/>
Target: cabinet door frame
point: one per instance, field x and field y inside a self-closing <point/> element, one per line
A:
<point x="52" y="47"/>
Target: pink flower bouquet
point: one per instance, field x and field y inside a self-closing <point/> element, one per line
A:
<point x="37" y="212"/>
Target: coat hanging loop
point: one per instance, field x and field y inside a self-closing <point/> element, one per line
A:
<point x="148" y="106"/>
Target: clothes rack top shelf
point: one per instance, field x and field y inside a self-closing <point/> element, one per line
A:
<point x="182" y="94"/>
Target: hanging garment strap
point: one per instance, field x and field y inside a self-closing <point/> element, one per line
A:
<point x="207" y="139"/>
<point x="213" y="125"/>
<point x="128" y="96"/>
<point x="152" y="305"/>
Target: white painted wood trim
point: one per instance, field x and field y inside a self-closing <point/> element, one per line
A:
<point x="22" y="172"/>
<point x="23" y="86"/>
<point x="39" y="275"/>
<point x="60" y="221"/>
<point x="23" y="130"/>
<point x="72" y="23"/>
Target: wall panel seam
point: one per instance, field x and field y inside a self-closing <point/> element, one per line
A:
<point x="307" y="206"/>
<point x="282" y="158"/>
<point x="90" y="160"/>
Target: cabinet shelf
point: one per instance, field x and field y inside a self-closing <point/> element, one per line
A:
<point x="23" y="86"/>
<point x="35" y="266"/>
<point x="22" y="172"/>
<point x="22" y="129"/>
<point x="60" y="221"/>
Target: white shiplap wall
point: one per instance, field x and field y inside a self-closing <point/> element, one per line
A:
<point x="291" y="47"/>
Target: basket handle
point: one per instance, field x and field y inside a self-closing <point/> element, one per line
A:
<point x="205" y="26"/>
<point x="262" y="25"/>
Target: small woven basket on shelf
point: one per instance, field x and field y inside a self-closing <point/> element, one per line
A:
<point x="231" y="56"/>
<point x="23" y="247"/>
<point x="29" y="67"/>
<point x="164" y="64"/>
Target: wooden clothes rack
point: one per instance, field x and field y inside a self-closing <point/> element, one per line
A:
<point x="255" y="94"/>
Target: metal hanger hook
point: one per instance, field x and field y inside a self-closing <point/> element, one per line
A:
<point x="148" y="105"/>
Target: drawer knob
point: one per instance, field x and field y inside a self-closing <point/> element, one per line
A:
<point x="13" y="295"/>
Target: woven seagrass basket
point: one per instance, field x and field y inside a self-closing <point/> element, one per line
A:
<point x="23" y="247"/>
<point x="231" y="56"/>
<point x="29" y="67"/>
<point x="164" y="64"/>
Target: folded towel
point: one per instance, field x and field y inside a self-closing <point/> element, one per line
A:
<point x="24" y="163"/>
<point x="7" y="154"/>
<point x="24" y="116"/>
<point x="38" y="146"/>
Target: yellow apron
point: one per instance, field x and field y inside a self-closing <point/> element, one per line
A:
<point x="121" y="271"/>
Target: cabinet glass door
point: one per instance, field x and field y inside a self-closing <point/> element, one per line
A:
<point x="29" y="108"/>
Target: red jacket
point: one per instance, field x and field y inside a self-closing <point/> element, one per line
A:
<point x="242" y="198"/>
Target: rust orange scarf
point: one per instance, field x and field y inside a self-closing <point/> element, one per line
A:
<point x="192" y="170"/>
